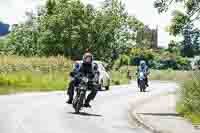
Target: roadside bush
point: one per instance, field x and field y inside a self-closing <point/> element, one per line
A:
<point x="159" y="60"/>
<point x="123" y="60"/>
<point x="138" y="54"/>
<point x="175" y="63"/>
<point x="183" y="63"/>
<point x="119" y="76"/>
<point x="188" y="103"/>
<point x="197" y="63"/>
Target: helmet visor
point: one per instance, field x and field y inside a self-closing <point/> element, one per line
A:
<point x="88" y="59"/>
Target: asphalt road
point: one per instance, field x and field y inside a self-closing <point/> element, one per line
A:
<point x="48" y="113"/>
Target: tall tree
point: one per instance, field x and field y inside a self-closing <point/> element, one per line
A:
<point x="183" y="23"/>
<point x="187" y="49"/>
<point x="68" y="27"/>
<point x="180" y="19"/>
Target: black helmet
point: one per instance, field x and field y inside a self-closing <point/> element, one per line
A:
<point x="87" y="58"/>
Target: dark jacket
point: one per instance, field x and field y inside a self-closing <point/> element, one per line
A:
<point x="85" y="70"/>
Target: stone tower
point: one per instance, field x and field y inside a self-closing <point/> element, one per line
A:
<point x="155" y="38"/>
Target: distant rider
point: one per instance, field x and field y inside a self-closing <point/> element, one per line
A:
<point x="87" y="67"/>
<point x="145" y="69"/>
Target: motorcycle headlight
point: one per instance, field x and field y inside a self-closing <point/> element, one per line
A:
<point x="85" y="79"/>
<point x="141" y="75"/>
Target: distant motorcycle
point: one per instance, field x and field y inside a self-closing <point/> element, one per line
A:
<point x="142" y="82"/>
<point x="81" y="90"/>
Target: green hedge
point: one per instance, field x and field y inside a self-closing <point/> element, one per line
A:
<point x="156" y="60"/>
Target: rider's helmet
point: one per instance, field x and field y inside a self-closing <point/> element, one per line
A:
<point x="142" y="63"/>
<point x="87" y="58"/>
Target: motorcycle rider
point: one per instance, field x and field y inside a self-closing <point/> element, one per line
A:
<point x="86" y="68"/>
<point x="145" y="69"/>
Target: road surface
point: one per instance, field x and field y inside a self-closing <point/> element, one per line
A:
<point x="48" y="113"/>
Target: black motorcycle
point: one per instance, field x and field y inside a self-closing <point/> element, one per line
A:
<point x="81" y="90"/>
<point x="142" y="82"/>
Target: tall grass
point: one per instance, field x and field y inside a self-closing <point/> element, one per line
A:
<point x="18" y="74"/>
<point x="170" y="75"/>
<point x="43" y="64"/>
<point x="189" y="101"/>
<point x="119" y="76"/>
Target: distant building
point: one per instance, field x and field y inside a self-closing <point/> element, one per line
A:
<point x="154" y="38"/>
<point x="4" y="29"/>
<point x="148" y="37"/>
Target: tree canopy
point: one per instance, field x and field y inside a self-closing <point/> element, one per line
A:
<point x="68" y="27"/>
<point x="184" y="23"/>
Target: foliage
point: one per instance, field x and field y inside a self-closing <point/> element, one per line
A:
<point x="68" y="27"/>
<point x="34" y="81"/>
<point x="174" y="47"/>
<point x="22" y="74"/>
<point x="23" y="41"/>
<point x="155" y="59"/>
<point x="190" y="44"/>
<point x="183" y="23"/>
<point x="178" y="22"/>
<point x="188" y="103"/>
<point x="138" y="54"/>
<point x="122" y="60"/>
<point x="197" y="63"/>
<point x="119" y="76"/>
<point x="168" y="60"/>
<point x="191" y="14"/>
<point x="18" y="74"/>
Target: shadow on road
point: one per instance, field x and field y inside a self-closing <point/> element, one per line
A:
<point x="85" y="114"/>
<point x="161" y="114"/>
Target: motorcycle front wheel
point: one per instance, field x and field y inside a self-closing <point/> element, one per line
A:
<point x="79" y="102"/>
<point x="142" y="85"/>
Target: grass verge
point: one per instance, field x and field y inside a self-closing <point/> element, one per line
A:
<point x="21" y="74"/>
<point x="188" y="103"/>
<point x="120" y="76"/>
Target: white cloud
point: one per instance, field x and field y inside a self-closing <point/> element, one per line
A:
<point x="13" y="11"/>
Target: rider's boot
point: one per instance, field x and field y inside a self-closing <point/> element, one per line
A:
<point x="87" y="104"/>
<point x="69" y="101"/>
<point x="70" y="93"/>
<point x="147" y="82"/>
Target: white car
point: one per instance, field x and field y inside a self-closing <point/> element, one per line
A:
<point x="104" y="78"/>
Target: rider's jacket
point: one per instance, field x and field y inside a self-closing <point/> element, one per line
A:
<point x="143" y="69"/>
<point x="85" y="70"/>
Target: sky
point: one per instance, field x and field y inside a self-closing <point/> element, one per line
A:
<point x="13" y="11"/>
